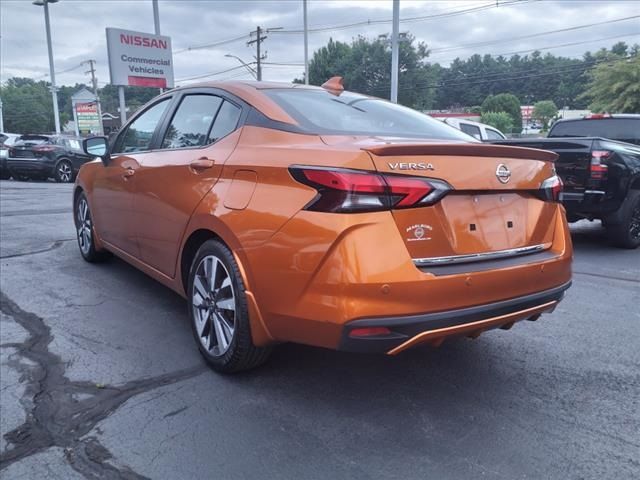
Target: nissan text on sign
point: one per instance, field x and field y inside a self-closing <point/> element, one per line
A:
<point x="139" y="59"/>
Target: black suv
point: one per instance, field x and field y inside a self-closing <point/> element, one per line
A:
<point x="599" y="163"/>
<point x="40" y="157"/>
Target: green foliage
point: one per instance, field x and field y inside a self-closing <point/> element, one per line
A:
<point x="544" y="111"/>
<point x="500" y="120"/>
<point x="615" y="88"/>
<point x="365" y="66"/>
<point x="27" y="106"/>
<point x="505" y="102"/>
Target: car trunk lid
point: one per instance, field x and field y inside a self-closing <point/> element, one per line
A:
<point x="493" y="205"/>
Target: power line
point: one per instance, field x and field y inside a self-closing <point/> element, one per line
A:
<point x="533" y="35"/>
<point x="549" y="47"/>
<point x="212" y="74"/>
<point x="409" y="19"/>
<point x="384" y="87"/>
<point x="212" y="45"/>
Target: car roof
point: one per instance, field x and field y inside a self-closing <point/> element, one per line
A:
<point x="598" y="117"/>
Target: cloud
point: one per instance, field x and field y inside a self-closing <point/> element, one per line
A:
<point x="78" y="31"/>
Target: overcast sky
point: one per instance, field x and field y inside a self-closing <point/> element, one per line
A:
<point x="78" y="31"/>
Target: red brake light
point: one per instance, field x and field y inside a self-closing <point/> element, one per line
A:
<point x="595" y="116"/>
<point x="44" y="148"/>
<point x="598" y="168"/>
<point x="551" y="189"/>
<point x="349" y="191"/>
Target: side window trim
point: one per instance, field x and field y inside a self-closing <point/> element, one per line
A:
<point x="123" y="131"/>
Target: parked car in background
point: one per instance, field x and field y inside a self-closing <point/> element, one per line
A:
<point x="314" y="215"/>
<point x="477" y="130"/>
<point x="601" y="173"/>
<point x="39" y="157"/>
<point x="6" y="141"/>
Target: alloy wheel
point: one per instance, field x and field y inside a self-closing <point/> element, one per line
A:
<point x="214" y="305"/>
<point x="64" y="172"/>
<point x="84" y="226"/>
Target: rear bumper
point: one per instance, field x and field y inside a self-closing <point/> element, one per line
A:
<point x="433" y="328"/>
<point x="590" y="202"/>
<point x="27" y="166"/>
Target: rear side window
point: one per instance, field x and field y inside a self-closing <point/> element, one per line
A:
<point x="192" y="121"/>
<point x="137" y="137"/>
<point x="226" y="121"/>
<point x="622" y="129"/>
<point x="470" y="130"/>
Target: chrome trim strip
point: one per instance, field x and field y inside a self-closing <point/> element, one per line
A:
<point x="479" y="257"/>
<point x="595" y="192"/>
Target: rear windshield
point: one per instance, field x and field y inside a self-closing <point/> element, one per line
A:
<point x="32" y="140"/>
<point x="321" y="112"/>
<point x="622" y="129"/>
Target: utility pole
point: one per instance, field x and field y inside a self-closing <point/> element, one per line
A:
<point x="306" y="42"/>
<point x="52" y="73"/>
<point x="156" y="21"/>
<point x="258" y="32"/>
<point x="1" y="118"/>
<point x="394" y="51"/>
<point x="94" y="83"/>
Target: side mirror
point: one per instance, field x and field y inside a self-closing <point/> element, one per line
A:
<point x="97" y="147"/>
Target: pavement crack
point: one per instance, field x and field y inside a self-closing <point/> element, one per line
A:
<point x="53" y="246"/>
<point x="55" y="416"/>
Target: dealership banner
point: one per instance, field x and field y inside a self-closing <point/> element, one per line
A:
<point x="88" y="118"/>
<point x="139" y="59"/>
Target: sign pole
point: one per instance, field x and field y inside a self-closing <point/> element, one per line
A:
<point x="75" y="118"/>
<point x="123" y="111"/>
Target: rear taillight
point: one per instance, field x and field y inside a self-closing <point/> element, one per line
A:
<point x="551" y="189"/>
<point x="43" y="148"/>
<point x="351" y="191"/>
<point x="598" y="167"/>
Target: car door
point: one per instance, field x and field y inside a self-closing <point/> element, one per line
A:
<point x="195" y="142"/>
<point x="114" y="185"/>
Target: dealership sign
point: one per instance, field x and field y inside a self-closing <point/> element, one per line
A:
<point x="139" y="59"/>
<point x="88" y="118"/>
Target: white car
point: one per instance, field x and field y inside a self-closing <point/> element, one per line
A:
<point x="6" y="141"/>
<point x="475" y="129"/>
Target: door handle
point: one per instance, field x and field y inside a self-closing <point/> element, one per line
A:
<point x="129" y="172"/>
<point x="202" y="164"/>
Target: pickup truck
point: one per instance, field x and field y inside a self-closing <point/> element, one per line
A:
<point x="599" y="163"/>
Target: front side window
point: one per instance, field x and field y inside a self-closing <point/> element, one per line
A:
<point x="493" y="134"/>
<point x="137" y="137"/>
<point x="470" y="129"/>
<point x="192" y="121"/>
<point x="320" y="112"/>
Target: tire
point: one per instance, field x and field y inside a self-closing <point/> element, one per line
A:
<point x="626" y="234"/>
<point x="218" y="311"/>
<point x="84" y="232"/>
<point x="63" y="172"/>
<point x="5" y="175"/>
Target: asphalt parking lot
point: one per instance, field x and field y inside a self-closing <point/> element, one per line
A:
<point x="100" y="378"/>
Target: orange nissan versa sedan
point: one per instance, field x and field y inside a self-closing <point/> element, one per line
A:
<point x="288" y="213"/>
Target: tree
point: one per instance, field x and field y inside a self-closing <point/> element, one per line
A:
<point x="500" y="120"/>
<point x="505" y="102"/>
<point x="544" y="111"/>
<point x="365" y="66"/>
<point x="615" y="87"/>
<point x="27" y="106"/>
